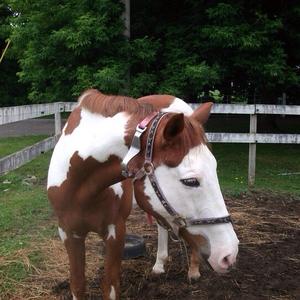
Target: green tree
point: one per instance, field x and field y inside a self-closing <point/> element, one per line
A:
<point x="178" y="47"/>
<point x="234" y="46"/>
<point x="66" y="47"/>
<point x="244" y="39"/>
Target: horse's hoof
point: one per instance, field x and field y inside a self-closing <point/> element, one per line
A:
<point x="157" y="269"/>
<point x="194" y="276"/>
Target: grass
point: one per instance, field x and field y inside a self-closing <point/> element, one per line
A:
<point x="10" y="145"/>
<point x="24" y="221"/>
<point x="271" y="162"/>
<point x="26" y="218"/>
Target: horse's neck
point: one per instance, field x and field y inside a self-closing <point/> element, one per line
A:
<point x="96" y="137"/>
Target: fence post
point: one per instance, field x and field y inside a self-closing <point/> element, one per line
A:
<point x="57" y="117"/>
<point x="252" y="151"/>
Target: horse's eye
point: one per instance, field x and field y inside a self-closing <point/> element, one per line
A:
<point x="192" y="182"/>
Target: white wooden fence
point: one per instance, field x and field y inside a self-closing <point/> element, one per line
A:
<point x="19" y="113"/>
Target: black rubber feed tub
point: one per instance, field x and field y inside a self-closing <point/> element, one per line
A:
<point x="134" y="246"/>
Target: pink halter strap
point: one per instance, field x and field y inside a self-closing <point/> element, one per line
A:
<point x="147" y="120"/>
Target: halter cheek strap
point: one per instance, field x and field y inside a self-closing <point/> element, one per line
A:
<point x="135" y="146"/>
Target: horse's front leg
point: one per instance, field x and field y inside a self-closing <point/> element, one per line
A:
<point x="162" y="250"/>
<point x="114" y="244"/>
<point x="75" y="246"/>
<point x="193" y="272"/>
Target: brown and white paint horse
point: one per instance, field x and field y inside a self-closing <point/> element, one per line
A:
<point x="89" y="193"/>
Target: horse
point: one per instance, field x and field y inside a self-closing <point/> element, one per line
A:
<point x="154" y="146"/>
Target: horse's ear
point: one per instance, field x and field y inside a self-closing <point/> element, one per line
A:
<point x="201" y="114"/>
<point x="174" y="126"/>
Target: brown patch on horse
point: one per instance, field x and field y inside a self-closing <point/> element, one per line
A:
<point x="81" y="199"/>
<point x="73" y="120"/>
<point x="109" y="105"/>
<point x="195" y="241"/>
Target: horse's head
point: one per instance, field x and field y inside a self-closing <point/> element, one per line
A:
<point x="185" y="177"/>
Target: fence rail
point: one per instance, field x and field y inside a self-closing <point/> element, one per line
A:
<point x="17" y="159"/>
<point x="19" y="113"/>
<point x="24" y="112"/>
<point x="258" y="138"/>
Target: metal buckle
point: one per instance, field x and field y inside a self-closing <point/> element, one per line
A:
<point x="140" y="129"/>
<point x="180" y="222"/>
<point x="125" y="173"/>
<point x="148" y="167"/>
<point x="173" y="236"/>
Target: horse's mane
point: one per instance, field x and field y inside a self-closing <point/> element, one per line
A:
<point x="109" y="105"/>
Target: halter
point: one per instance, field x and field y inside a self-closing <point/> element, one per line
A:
<point x="149" y="170"/>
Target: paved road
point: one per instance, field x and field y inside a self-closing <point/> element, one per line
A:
<point x="28" y="127"/>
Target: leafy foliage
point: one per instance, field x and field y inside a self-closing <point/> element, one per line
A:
<point x="65" y="48"/>
<point x="178" y="47"/>
<point x="238" y="47"/>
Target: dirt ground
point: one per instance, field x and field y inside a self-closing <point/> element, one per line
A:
<point x="268" y="265"/>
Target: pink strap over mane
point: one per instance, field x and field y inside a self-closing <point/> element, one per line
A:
<point x="146" y="121"/>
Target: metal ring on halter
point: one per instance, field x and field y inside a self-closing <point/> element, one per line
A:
<point x="180" y="222"/>
<point x="148" y="167"/>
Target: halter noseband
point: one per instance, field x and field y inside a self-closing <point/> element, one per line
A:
<point x="148" y="170"/>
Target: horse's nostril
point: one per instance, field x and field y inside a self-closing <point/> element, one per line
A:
<point x="225" y="262"/>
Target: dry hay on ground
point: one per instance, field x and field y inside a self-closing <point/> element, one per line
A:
<point x="268" y="267"/>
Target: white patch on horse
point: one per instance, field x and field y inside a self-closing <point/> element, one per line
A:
<point x="76" y="236"/>
<point x="74" y="297"/>
<point x="162" y="250"/>
<point x="117" y="188"/>
<point x="111" y="231"/>
<point x="179" y="106"/>
<point x="194" y="165"/>
<point x="134" y="203"/>
<point x="112" y="295"/>
<point x="96" y="136"/>
<point x="62" y="234"/>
